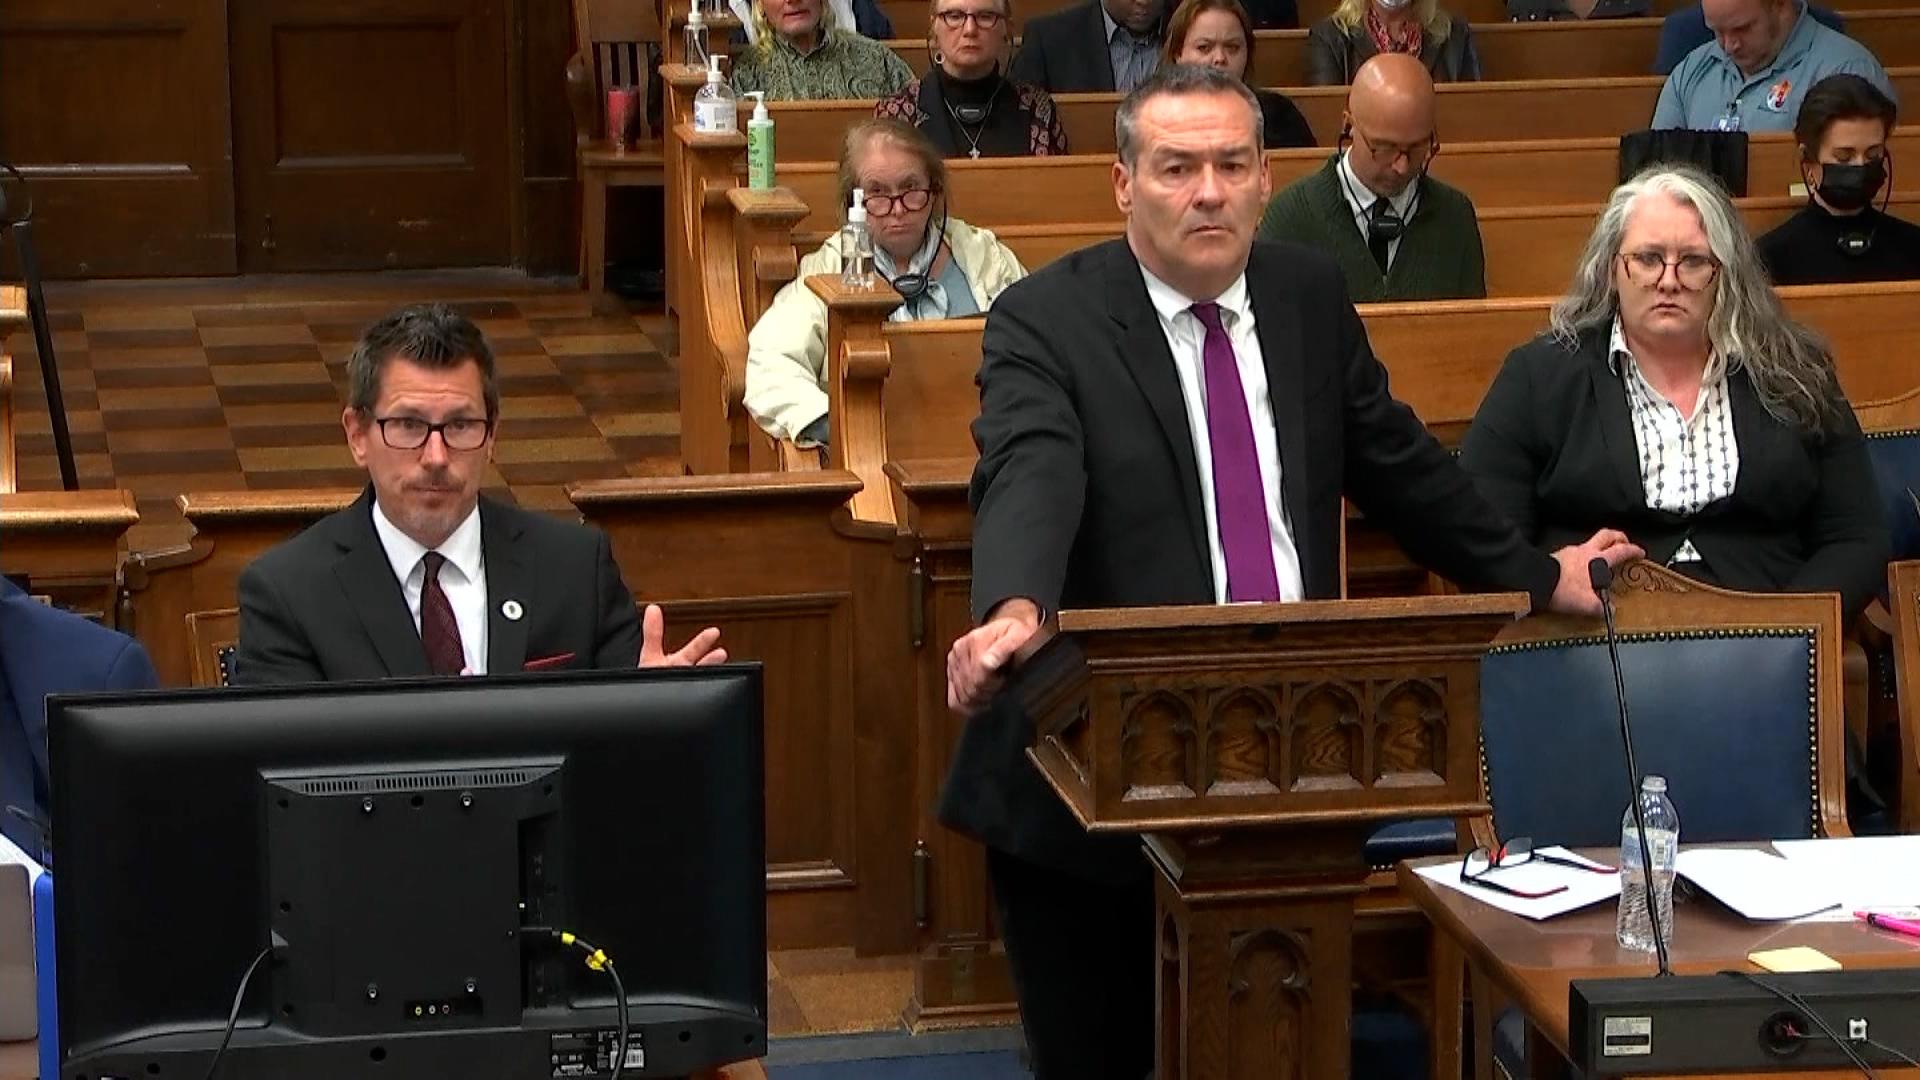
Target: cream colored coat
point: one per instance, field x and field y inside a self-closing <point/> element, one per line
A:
<point x="787" y="350"/>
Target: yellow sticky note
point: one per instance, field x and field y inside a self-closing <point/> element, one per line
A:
<point x="1798" y="958"/>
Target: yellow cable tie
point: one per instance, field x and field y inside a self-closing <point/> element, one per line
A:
<point x="598" y="961"/>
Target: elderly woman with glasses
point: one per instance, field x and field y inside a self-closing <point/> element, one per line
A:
<point x="1675" y="400"/>
<point x="966" y="104"/>
<point x="943" y="267"/>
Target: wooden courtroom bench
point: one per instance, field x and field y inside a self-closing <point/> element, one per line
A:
<point x="910" y="394"/>
<point x="1601" y="49"/>
<point x="1484" y="112"/>
<point x="66" y="545"/>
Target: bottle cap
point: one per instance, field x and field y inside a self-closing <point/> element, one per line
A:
<point x="713" y="68"/>
<point x="1654" y="784"/>
<point x="759" y="104"/>
<point x="857" y="212"/>
<point x="694" y="15"/>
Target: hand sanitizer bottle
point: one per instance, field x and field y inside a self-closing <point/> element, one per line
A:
<point x="697" y="51"/>
<point x="759" y="144"/>
<point x="715" y="109"/>
<point x="856" y="246"/>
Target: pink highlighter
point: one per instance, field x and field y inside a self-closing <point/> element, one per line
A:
<point x="1885" y="922"/>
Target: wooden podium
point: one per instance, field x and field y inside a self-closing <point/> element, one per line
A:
<point x="1255" y="748"/>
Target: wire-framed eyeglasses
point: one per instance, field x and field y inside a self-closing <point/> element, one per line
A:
<point x="412" y="433"/>
<point x="1483" y="861"/>
<point x="1692" y="270"/>
<point x="955" y="18"/>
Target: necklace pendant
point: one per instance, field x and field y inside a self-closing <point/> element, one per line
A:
<point x="974" y="153"/>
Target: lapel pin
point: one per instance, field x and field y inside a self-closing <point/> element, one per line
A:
<point x="512" y="610"/>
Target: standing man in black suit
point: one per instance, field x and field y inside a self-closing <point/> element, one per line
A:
<point x="421" y="575"/>
<point x="1173" y="418"/>
<point x="1099" y="46"/>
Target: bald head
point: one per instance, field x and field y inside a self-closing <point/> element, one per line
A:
<point x="1391" y="90"/>
<point x="1390" y="111"/>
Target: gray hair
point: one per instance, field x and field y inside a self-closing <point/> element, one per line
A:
<point x="1791" y="366"/>
<point x="1178" y="80"/>
<point x="431" y="335"/>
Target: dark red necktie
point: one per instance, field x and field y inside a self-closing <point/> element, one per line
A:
<point x="439" y="631"/>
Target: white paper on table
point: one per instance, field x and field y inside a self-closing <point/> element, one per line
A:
<point x="11" y="854"/>
<point x="1877" y="873"/>
<point x="1757" y="884"/>
<point x="1584" y="888"/>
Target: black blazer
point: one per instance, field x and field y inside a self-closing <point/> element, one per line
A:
<point x="1087" y="494"/>
<point x="1553" y="447"/>
<point x="325" y="606"/>
<point x="1066" y="52"/>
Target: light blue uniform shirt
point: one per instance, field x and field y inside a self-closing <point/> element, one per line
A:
<point x="1709" y="92"/>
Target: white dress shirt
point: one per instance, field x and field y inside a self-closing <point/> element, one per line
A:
<point x="1186" y="337"/>
<point x="463" y="578"/>
<point x="1360" y="200"/>
<point x="1686" y="462"/>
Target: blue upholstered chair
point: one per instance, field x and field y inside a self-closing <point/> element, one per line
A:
<point x="1904" y="581"/>
<point x="1735" y="699"/>
<point x="1893" y="442"/>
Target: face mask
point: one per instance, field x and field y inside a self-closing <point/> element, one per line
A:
<point x="1847" y="188"/>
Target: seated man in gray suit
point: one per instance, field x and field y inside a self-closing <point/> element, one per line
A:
<point x="421" y="575"/>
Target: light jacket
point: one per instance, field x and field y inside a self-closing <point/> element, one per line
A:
<point x="787" y="350"/>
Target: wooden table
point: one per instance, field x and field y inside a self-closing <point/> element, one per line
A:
<point x="1531" y="964"/>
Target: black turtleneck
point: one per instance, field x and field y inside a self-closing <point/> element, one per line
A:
<point x="1005" y="130"/>
<point x="1807" y="248"/>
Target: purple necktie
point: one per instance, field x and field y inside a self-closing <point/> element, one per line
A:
<point x="1239" y="498"/>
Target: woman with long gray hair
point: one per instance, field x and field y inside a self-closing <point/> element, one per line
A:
<point x="1676" y="400"/>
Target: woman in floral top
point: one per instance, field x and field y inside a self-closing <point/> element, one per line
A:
<point x="799" y="55"/>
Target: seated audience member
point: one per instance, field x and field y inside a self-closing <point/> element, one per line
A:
<point x="1764" y="56"/>
<point x="1219" y="33"/>
<point x="965" y="105"/>
<point x="1098" y="46"/>
<point x="423" y="575"/>
<point x="1675" y="400"/>
<point x="1686" y="30"/>
<point x="946" y="269"/>
<point x="1358" y="30"/>
<point x="1397" y="233"/>
<point x="865" y="16"/>
<point x="1567" y="10"/>
<point x="43" y="651"/>
<point x="798" y="54"/>
<point x="1840" y="237"/>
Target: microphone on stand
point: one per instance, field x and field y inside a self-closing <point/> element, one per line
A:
<point x="1600" y="575"/>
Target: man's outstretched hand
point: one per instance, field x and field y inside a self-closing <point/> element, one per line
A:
<point x="703" y="649"/>
<point x="977" y="662"/>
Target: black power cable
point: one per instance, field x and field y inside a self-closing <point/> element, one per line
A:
<point x="1809" y="1012"/>
<point x="233" y="1016"/>
<point x="598" y="960"/>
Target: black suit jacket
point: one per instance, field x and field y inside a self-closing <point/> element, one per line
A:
<point x="1553" y="447"/>
<point x="1087" y="493"/>
<point x="325" y="606"/>
<point x="1066" y="52"/>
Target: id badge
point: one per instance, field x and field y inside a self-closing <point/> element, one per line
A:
<point x="1729" y="122"/>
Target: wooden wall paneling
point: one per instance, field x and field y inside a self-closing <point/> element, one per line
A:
<point x="960" y="970"/>
<point x="118" y="113"/>
<point x="371" y="134"/>
<point x="66" y="545"/>
<point x="545" y="189"/>
<point x="759" y="557"/>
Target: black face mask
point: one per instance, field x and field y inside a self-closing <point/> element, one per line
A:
<point x="1847" y="188"/>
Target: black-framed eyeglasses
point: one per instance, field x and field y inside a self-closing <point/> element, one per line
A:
<point x="1693" y="271"/>
<point x="954" y="18"/>
<point x="913" y="200"/>
<point x="1482" y="861"/>
<point x="412" y="433"/>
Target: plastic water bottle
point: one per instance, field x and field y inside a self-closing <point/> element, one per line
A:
<point x="856" y="245"/>
<point x="1633" y="930"/>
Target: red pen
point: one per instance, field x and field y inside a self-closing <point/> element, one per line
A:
<point x="1885" y="922"/>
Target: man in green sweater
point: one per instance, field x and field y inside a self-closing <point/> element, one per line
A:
<point x="1397" y="233"/>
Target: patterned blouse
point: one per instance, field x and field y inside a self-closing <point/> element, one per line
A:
<point x="843" y="66"/>
<point x="1042" y="132"/>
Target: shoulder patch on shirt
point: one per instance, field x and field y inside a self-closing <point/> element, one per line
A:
<point x="1777" y="95"/>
